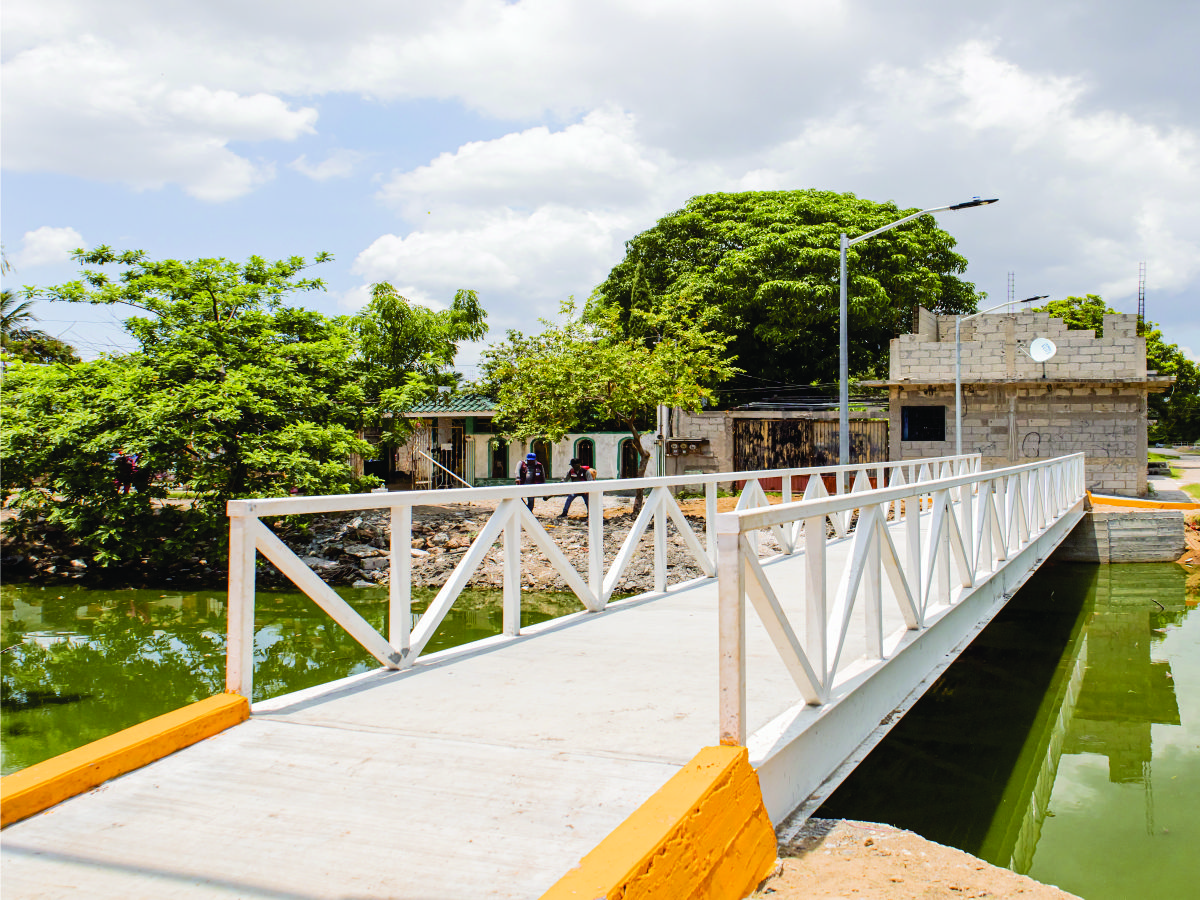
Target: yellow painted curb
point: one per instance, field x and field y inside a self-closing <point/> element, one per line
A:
<point x="1101" y="500"/>
<point x="704" y="834"/>
<point x="44" y="784"/>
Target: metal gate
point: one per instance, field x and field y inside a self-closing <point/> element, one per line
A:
<point x="797" y="443"/>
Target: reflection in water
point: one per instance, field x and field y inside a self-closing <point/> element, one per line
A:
<point x="79" y="664"/>
<point x="1073" y="667"/>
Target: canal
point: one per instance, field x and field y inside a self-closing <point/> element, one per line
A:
<point x="1064" y="743"/>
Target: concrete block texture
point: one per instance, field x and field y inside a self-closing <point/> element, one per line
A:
<point x="1002" y="339"/>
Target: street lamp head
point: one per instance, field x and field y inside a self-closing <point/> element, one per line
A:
<point x="1031" y="299"/>
<point x="972" y="203"/>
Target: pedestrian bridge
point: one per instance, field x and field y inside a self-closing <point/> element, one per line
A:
<point x="490" y="769"/>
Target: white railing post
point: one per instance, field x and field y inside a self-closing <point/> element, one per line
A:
<point x="916" y="571"/>
<point x="710" y="520"/>
<point x="873" y="586"/>
<point x="512" y="571"/>
<point x="731" y="593"/>
<point x="815" y="598"/>
<point x="400" y="583"/>
<point x="596" y="547"/>
<point x="239" y="648"/>
<point x="660" y="540"/>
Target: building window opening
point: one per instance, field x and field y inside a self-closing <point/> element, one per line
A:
<point x="923" y="423"/>
<point x="540" y="447"/>
<point x="498" y="451"/>
<point x="585" y="452"/>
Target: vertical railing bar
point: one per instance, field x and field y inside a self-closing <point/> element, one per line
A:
<point x="512" y="568"/>
<point x="710" y="520"/>
<point x="400" y="583"/>
<point x="596" y="547"/>
<point x="660" y="541"/>
<point x="239" y="647"/>
<point x="868" y="518"/>
<point x="731" y="593"/>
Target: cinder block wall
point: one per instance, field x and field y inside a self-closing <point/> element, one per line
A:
<point x="991" y="350"/>
<point x="717" y="456"/>
<point x="1015" y="423"/>
<point x="1011" y="414"/>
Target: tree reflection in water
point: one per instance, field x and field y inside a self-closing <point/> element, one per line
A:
<point x="1072" y="666"/>
<point x="79" y="664"/>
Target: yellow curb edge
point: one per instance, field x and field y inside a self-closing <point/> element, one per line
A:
<point x="44" y="784"/>
<point x="704" y="834"/>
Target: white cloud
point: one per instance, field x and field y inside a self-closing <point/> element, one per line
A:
<point x="46" y="246"/>
<point x="598" y="161"/>
<point x="541" y="256"/>
<point x="338" y="164"/>
<point x="85" y="108"/>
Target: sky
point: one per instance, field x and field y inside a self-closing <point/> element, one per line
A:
<point x="513" y="147"/>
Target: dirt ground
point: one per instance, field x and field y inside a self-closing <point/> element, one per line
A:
<point x="842" y="859"/>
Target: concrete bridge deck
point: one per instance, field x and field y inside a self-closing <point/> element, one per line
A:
<point x="484" y="771"/>
<point x="480" y="773"/>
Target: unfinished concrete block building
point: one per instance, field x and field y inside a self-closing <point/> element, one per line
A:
<point x="1090" y="397"/>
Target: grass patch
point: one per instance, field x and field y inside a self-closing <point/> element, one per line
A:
<point x="1159" y="457"/>
<point x="1192" y="490"/>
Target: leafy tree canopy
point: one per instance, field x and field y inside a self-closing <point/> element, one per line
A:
<point x="407" y="350"/>
<point x="1177" y="412"/>
<point x="230" y="392"/>
<point x="609" y="367"/>
<point x="768" y="262"/>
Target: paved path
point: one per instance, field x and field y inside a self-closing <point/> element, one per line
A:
<point x="1171" y="489"/>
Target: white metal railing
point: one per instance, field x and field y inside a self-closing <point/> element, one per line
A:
<point x="404" y="643"/>
<point x="976" y="520"/>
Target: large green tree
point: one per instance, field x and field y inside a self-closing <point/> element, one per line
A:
<point x="1176" y="412"/>
<point x="231" y="393"/>
<point x="606" y="369"/>
<point x="768" y="262"/>
<point x="408" y="350"/>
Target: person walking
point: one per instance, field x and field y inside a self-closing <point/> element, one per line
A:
<point x="577" y="472"/>
<point x="531" y="472"/>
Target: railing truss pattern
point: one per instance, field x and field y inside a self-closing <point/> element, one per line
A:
<point x="511" y="519"/>
<point x="954" y="530"/>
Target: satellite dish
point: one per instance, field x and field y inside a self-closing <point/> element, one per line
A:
<point x="1042" y="349"/>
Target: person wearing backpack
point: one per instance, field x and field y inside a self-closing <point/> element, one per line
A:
<point x="577" y="472"/>
<point x="531" y="472"/>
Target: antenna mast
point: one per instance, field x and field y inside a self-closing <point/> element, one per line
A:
<point x="1141" y="325"/>
<point x="1012" y="287"/>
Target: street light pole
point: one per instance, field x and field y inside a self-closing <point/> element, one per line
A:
<point x="843" y="340"/>
<point x="958" y="320"/>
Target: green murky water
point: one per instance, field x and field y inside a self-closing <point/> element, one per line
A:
<point x="80" y="664"/>
<point x="1064" y="743"/>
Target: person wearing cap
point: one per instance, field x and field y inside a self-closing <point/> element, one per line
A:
<point x="531" y="472"/>
<point x="577" y="472"/>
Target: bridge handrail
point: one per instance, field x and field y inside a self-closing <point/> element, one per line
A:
<point x="288" y="506"/>
<point x="248" y="536"/>
<point x="976" y="520"/>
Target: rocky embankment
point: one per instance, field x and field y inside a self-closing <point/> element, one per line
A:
<point x="353" y="550"/>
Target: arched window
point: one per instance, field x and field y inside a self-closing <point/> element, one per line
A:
<point x="585" y="452"/>
<point x="541" y="448"/>
<point x="497" y="458"/>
